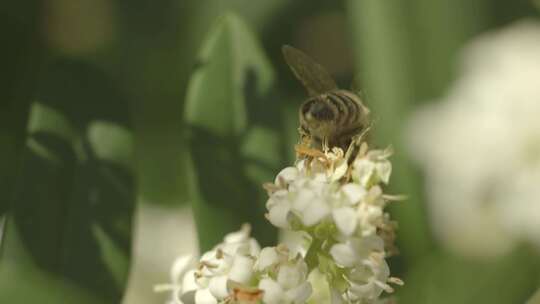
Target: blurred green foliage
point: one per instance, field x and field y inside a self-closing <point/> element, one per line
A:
<point x="384" y="60"/>
<point x="72" y="205"/>
<point x="176" y="104"/>
<point x="21" y="56"/>
<point x="235" y="146"/>
<point x="443" y="278"/>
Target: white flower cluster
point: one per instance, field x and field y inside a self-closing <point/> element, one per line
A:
<point x="237" y="270"/>
<point x="339" y="203"/>
<point x="336" y="201"/>
<point x="480" y="146"/>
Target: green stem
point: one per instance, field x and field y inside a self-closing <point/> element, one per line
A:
<point x="383" y="58"/>
<point x="312" y="255"/>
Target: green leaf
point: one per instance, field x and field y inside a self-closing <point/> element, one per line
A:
<point x="229" y="58"/>
<point x="22" y="281"/>
<point x="234" y="146"/>
<point x="71" y="214"/>
<point x="111" y="142"/>
<point x="153" y="60"/>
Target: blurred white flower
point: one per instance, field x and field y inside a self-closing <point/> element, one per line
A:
<point x="229" y="263"/>
<point x="480" y="146"/>
<point x="237" y="270"/>
<point x="179" y="268"/>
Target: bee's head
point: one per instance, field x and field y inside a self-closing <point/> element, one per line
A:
<point x="318" y="118"/>
<point x="317" y="110"/>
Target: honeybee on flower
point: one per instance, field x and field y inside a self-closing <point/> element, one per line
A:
<point x="333" y="197"/>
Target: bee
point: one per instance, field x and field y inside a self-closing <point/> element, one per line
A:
<point x="330" y="117"/>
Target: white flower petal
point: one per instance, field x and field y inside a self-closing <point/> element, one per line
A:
<point x="218" y="287"/>
<point x="220" y="262"/>
<point x="242" y="269"/>
<point x="287" y="175"/>
<point x="363" y="170"/>
<point x="303" y="199"/>
<point x="180" y="265"/>
<point x="384" y="170"/>
<point x="254" y="247"/>
<point x="289" y="276"/>
<point x="267" y="258"/>
<point x="345" y="219"/>
<point x="317" y="210"/>
<point x="301" y="165"/>
<point x="273" y="293"/>
<point x="318" y="171"/>
<point x="344" y="255"/>
<point x="299" y="294"/>
<point x="203" y="296"/>
<point x="278" y="216"/>
<point x="189" y="282"/>
<point x="249" y="247"/>
<point x="339" y="170"/>
<point x="372" y="243"/>
<point x="209" y="255"/>
<point x="354" y="192"/>
<point x="369" y="291"/>
<point x="241" y="235"/>
<point x="277" y="198"/>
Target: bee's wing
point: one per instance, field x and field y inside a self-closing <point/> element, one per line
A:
<point x="313" y="76"/>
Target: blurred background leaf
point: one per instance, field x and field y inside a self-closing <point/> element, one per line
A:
<point x="451" y="279"/>
<point x="152" y="59"/>
<point x="72" y="208"/>
<point x="21" y="57"/>
<point x="233" y="149"/>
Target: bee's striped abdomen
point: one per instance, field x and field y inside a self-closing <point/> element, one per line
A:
<point x="340" y="108"/>
<point x="355" y="108"/>
<point x="348" y="108"/>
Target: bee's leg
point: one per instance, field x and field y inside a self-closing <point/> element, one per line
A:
<point x="303" y="150"/>
<point x="305" y="139"/>
<point x="303" y="132"/>
<point x="325" y="145"/>
<point x="308" y="154"/>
